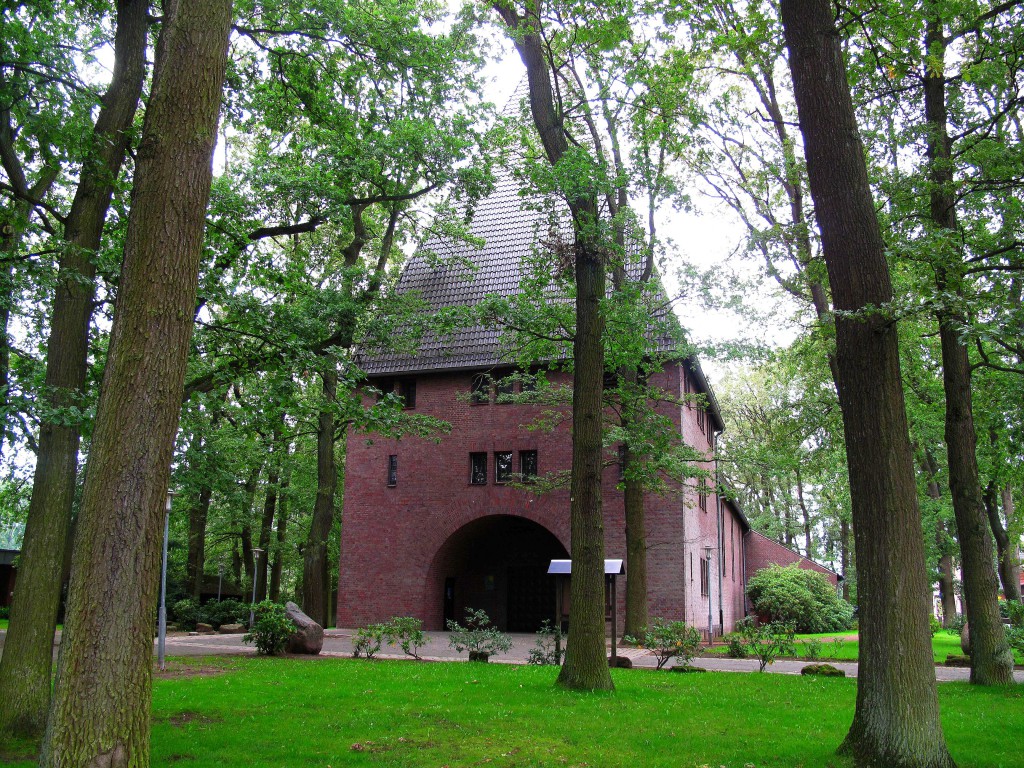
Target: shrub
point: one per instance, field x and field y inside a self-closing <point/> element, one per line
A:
<point x="229" y="611"/>
<point x="550" y="646"/>
<point x="934" y="624"/>
<point x="812" y="649"/>
<point x="479" y="636"/>
<point x="185" y="614"/>
<point x="669" y="640"/>
<point x="766" y="642"/>
<point x="735" y="647"/>
<point x="5" y="612"/>
<point x="270" y="630"/>
<point x="1015" y="613"/>
<point x="368" y="641"/>
<point x="802" y="598"/>
<point x="956" y="626"/>
<point x="406" y="632"/>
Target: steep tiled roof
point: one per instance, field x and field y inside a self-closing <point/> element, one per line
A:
<point x="445" y="273"/>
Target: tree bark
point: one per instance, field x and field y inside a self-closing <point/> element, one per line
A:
<point x="896" y="721"/>
<point x="196" y="563"/>
<point x="266" y="525"/>
<point x="101" y="708"/>
<point x="282" y="529"/>
<point x="28" y="650"/>
<point x="315" y="590"/>
<point x="947" y="591"/>
<point x="991" y="657"/>
<point x="1009" y="562"/>
<point x="844" y="555"/>
<point x="586" y="664"/>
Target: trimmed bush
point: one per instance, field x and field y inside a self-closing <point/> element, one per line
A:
<point x="803" y="599"/>
<point x="479" y="636"/>
<point x="669" y="640"/>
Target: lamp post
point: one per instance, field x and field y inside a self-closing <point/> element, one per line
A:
<point x="707" y="564"/>
<point x="162" y="626"/>
<point x="255" y="578"/>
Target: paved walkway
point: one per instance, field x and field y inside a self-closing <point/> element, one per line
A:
<point x="338" y="644"/>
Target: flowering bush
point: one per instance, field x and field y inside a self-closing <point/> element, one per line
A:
<point x="367" y="641"/>
<point x="669" y="640"/>
<point x="406" y="632"/>
<point x="550" y="646"/>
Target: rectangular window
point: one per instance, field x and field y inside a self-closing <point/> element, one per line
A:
<point x="528" y="464"/>
<point x="702" y="419"/>
<point x="392" y="470"/>
<point x="704" y="577"/>
<point x="407" y="391"/>
<point x="386" y="387"/>
<point x="702" y="496"/>
<point x="503" y="466"/>
<point x="478" y="469"/>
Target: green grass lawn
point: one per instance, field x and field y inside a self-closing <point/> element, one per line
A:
<point x="943" y="644"/>
<point x="341" y="712"/>
<point x="4" y="623"/>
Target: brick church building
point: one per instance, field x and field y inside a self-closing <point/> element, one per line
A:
<point x="432" y="527"/>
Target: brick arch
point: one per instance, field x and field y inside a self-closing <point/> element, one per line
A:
<point x="496" y="562"/>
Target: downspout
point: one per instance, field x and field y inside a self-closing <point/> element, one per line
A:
<point x="721" y="542"/>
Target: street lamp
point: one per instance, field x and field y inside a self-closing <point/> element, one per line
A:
<point x="255" y="578"/>
<point x="162" y="630"/>
<point x="220" y="577"/>
<point x="707" y="564"/>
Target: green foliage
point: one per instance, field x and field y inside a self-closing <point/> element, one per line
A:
<point x="406" y="632"/>
<point x="669" y="640"/>
<point x="187" y="614"/>
<point x="735" y="648"/>
<point x="934" y="624"/>
<point x="766" y="642"/>
<point x="479" y="636"/>
<point x="549" y="647"/>
<point x="801" y="597"/>
<point x="367" y="641"/>
<point x="812" y="649"/>
<point x="956" y="625"/>
<point x="270" y="630"/>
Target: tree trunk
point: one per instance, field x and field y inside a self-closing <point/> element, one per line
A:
<point x="315" y="591"/>
<point x="28" y="650"/>
<point x="896" y="721"/>
<point x="266" y="524"/>
<point x="196" y="564"/>
<point x="1013" y="551"/>
<point x="586" y="664"/>
<point x="947" y="591"/>
<point x="991" y="657"/>
<point x="844" y="555"/>
<point x="1009" y="566"/>
<point x="101" y="707"/>
<point x="282" y="526"/>
<point x="805" y="513"/>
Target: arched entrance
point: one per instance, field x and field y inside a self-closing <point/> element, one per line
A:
<point x="498" y="563"/>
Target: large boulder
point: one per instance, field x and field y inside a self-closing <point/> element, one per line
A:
<point x="308" y="637"/>
<point x="232" y="629"/>
<point x="965" y="640"/>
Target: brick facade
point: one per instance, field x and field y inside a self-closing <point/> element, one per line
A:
<point x="762" y="552"/>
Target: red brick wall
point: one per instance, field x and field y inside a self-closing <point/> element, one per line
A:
<point x="392" y="537"/>
<point x="762" y="552"/>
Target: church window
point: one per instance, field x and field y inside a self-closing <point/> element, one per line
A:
<point x="392" y="470"/>
<point x="528" y="464"/>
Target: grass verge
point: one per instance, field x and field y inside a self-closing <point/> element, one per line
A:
<point x="333" y="712"/>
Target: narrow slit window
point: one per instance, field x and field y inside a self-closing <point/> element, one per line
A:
<point x="407" y="389"/>
<point x="528" y="465"/>
<point x="478" y="469"/>
<point x="392" y="470"/>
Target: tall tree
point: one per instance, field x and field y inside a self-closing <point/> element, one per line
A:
<point x="896" y="722"/>
<point x="26" y="665"/>
<point x="100" y="713"/>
